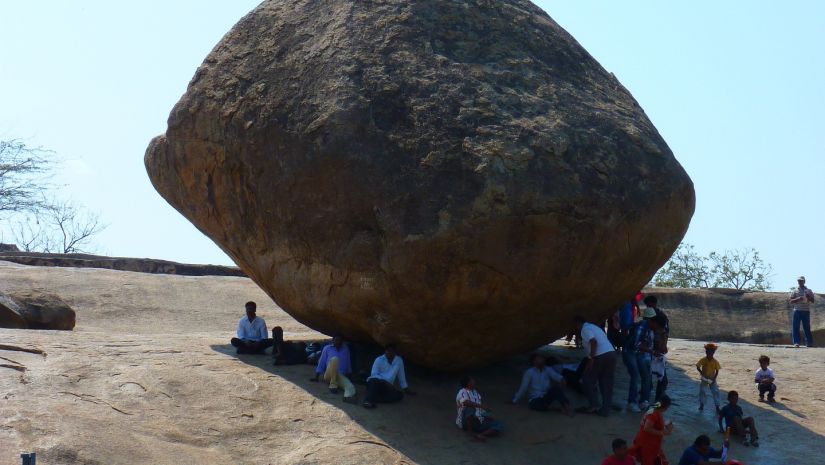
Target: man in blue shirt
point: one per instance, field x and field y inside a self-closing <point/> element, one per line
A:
<point x="252" y="335"/>
<point x="700" y="453"/>
<point x="335" y="365"/>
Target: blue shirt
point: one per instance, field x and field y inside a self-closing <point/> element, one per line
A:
<point x="626" y="316"/>
<point x="330" y="351"/>
<point x="693" y="457"/>
<point x="536" y="383"/>
<point x="640" y="336"/>
<point x="729" y="413"/>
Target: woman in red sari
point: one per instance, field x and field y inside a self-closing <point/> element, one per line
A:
<point x="647" y="446"/>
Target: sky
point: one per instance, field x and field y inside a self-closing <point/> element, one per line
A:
<point x="737" y="89"/>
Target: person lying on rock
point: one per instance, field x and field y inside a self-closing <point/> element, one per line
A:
<point x="571" y="372"/>
<point x="287" y="352"/>
<point x="252" y="333"/>
<point x="735" y="419"/>
<point x="543" y="386"/>
<point x="473" y="416"/>
<point x="381" y="383"/>
<point x="336" y="367"/>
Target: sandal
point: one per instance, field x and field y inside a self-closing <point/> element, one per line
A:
<point x="368" y="404"/>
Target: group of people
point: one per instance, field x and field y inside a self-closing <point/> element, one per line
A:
<point x="638" y="337"/>
<point x="386" y="383"/>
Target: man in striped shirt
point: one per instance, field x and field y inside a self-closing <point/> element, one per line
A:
<point x="801" y="299"/>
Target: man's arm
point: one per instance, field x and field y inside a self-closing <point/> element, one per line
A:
<point x="402" y="376"/>
<point x="525" y="383"/>
<point x="240" y="331"/>
<point x="810" y="295"/>
<point x="263" y="333"/>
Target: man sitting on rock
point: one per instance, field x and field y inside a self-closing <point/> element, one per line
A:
<point x="252" y="333"/>
<point x="542" y="386"/>
<point x="381" y="383"/>
<point x="335" y="366"/>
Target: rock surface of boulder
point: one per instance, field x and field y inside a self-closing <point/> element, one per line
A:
<point x="33" y="309"/>
<point x="458" y="177"/>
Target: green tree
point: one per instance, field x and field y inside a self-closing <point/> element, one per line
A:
<point x="742" y="269"/>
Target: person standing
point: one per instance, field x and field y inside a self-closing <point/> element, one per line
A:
<point x="660" y="324"/>
<point x="801" y="299"/>
<point x="637" y="355"/>
<point x="601" y="367"/>
<point x="252" y="335"/>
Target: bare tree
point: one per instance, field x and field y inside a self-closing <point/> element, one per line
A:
<point x="23" y="176"/>
<point x="71" y="228"/>
<point x="740" y="269"/>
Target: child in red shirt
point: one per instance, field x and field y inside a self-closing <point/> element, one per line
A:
<point x="620" y="455"/>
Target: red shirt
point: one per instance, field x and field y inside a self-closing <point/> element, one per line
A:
<point x="612" y="460"/>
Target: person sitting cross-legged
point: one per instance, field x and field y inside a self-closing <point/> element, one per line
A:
<point x="735" y="419"/>
<point x="473" y="416"/>
<point x="381" y="383"/>
<point x="335" y="365"/>
<point x="542" y="386"/>
<point x="252" y="335"/>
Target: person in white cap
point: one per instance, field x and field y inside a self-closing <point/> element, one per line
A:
<point x="801" y="299"/>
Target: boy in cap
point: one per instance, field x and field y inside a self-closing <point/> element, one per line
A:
<point x="708" y="368"/>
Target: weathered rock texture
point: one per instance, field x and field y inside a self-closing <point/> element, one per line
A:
<point x="458" y="177"/>
<point x="33" y="309"/>
<point x="140" y="265"/>
<point x="729" y="315"/>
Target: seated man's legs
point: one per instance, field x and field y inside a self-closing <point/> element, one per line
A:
<point x="379" y="391"/>
<point x="336" y="379"/>
<point x="750" y="425"/>
<point x="539" y="404"/>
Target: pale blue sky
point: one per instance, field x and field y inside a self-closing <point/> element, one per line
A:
<point x="736" y="89"/>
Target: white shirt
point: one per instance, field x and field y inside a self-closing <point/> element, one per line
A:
<point x="254" y="330"/>
<point x="474" y="397"/>
<point x="591" y="332"/>
<point x="763" y="374"/>
<point x="382" y="369"/>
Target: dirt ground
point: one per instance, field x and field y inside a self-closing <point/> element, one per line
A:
<point x="148" y="377"/>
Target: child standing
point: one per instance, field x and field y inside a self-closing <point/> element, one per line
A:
<point x="708" y="368"/>
<point x="764" y="380"/>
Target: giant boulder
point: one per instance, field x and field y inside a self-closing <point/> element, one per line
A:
<point x="457" y="177"/>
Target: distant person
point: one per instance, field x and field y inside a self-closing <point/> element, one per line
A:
<point x="599" y="375"/>
<point x="253" y="336"/>
<point x="735" y="419"/>
<point x="647" y="445"/>
<point x="801" y="299"/>
<point x="381" y="383"/>
<point x="708" y="368"/>
<point x="336" y="367"/>
<point x="765" y="380"/>
<point x="637" y="355"/>
<point x="700" y="453"/>
<point x="543" y="386"/>
<point x="660" y="324"/>
<point x="473" y="416"/>
<point x="628" y="313"/>
<point x="287" y="352"/>
<point x="620" y="454"/>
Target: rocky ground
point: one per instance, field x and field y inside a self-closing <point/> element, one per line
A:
<point x="147" y="377"/>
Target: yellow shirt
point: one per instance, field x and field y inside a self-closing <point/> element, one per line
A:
<point x="708" y="367"/>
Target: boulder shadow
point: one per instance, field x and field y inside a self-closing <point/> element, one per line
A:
<point x="422" y="427"/>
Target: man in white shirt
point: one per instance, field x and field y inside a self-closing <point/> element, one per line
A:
<point x="252" y="337"/>
<point x="801" y="298"/>
<point x="601" y="368"/>
<point x="381" y="383"/>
